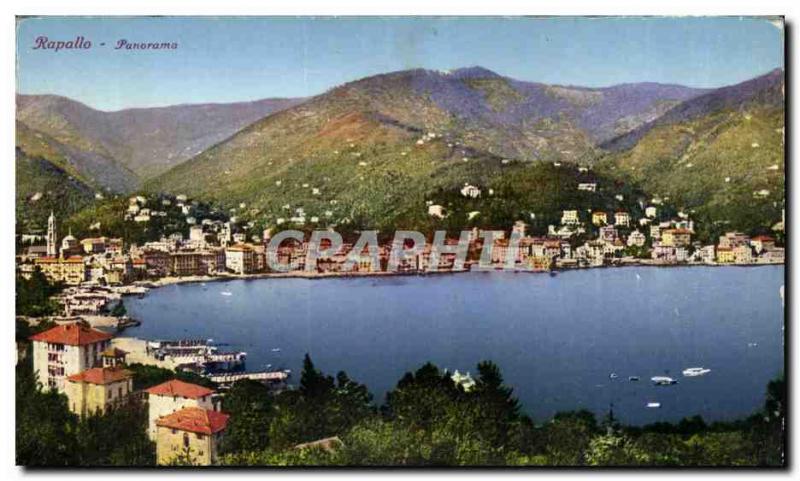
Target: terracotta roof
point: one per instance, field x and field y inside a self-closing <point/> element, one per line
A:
<point x="71" y="334"/>
<point x="101" y="375"/>
<point x="53" y="260"/>
<point x="763" y="238"/>
<point x="180" y="388"/>
<point x="195" y="420"/>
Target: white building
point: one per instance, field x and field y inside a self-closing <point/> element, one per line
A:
<point x="196" y="234"/>
<point x="651" y="211"/>
<point x="65" y="350"/>
<point x="636" y="238"/>
<point x="622" y="218"/>
<point x="570" y="217"/>
<point x="240" y="259"/>
<point x="436" y="210"/>
<point x="587" y="186"/>
<point x="173" y="396"/>
<point x="470" y="191"/>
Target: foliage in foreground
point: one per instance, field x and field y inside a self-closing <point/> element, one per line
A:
<point x="426" y="420"/>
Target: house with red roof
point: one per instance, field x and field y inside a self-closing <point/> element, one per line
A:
<point x="194" y="432"/>
<point x="65" y="350"/>
<point x="97" y="389"/>
<point x="762" y="243"/>
<point x="174" y="395"/>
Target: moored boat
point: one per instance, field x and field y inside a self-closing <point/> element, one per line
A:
<point x="663" y="380"/>
<point x="695" y="371"/>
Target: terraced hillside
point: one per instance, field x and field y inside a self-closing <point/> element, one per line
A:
<point x="362" y="153"/>
<point x="720" y="156"/>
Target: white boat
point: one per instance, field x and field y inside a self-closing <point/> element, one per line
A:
<point x="226" y="293"/>
<point x="654" y="405"/>
<point x="613" y="375"/>
<point x="696" y="371"/>
<point x="663" y="380"/>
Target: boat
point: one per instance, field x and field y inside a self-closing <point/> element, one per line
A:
<point x="553" y="273"/>
<point x="613" y="375"/>
<point x="633" y="378"/>
<point x="276" y="349"/>
<point x="695" y="371"/>
<point x="654" y="405"/>
<point x="663" y="380"/>
<point x="226" y="293"/>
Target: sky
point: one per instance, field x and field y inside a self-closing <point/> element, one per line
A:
<point x="228" y="59"/>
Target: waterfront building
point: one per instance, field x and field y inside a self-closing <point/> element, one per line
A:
<point x="676" y="237"/>
<point x="761" y="243"/>
<point x="172" y="396"/>
<point x="197" y="263"/>
<point x="599" y="218"/>
<point x="194" y="432"/>
<point x="651" y="211"/>
<point x="636" y="238"/>
<point x="725" y="255"/>
<point x="157" y="261"/>
<point x="66" y="350"/>
<point x="70" y="271"/>
<point x="240" y="259"/>
<point x="664" y="253"/>
<point x="97" y="389"/>
<point x="774" y="255"/>
<point x="743" y="254"/>
<point x="706" y="254"/>
<point x="733" y="239"/>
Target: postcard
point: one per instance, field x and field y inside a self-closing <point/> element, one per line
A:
<point x="396" y="242"/>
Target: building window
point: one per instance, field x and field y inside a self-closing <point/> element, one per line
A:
<point x="185" y="440"/>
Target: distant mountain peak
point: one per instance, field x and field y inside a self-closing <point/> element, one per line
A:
<point x="474" y="72"/>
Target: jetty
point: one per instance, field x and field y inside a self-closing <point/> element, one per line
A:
<point x="271" y="378"/>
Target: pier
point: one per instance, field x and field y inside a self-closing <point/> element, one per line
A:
<point x="267" y="377"/>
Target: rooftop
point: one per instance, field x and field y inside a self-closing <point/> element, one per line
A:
<point x="195" y="420"/>
<point x="101" y="375"/>
<point x="74" y="334"/>
<point x="179" y="388"/>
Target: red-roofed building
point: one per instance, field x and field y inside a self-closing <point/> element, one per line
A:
<point x="97" y="389"/>
<point x="191" y="431"/>
<point x="762" y="243"/>
<point x="172" y="396"/>
<point x="66" y="350"/>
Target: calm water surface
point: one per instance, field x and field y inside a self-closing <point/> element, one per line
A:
<point x="556" y="339"/>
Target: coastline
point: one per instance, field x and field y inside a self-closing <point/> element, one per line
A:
<point x="222" y="277"/>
